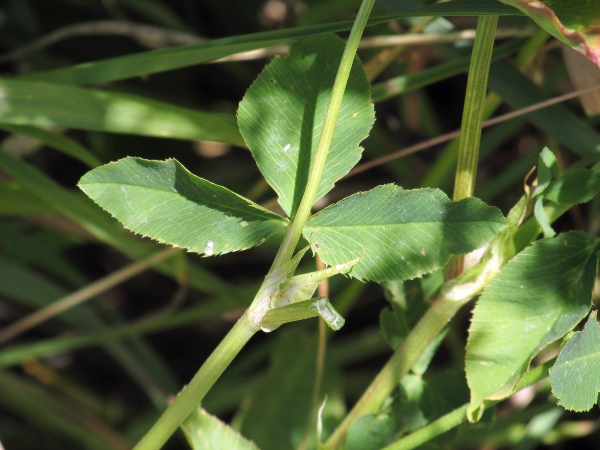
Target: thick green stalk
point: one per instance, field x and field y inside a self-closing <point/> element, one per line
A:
<point x="249" y="323"/>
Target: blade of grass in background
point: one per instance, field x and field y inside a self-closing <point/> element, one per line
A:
<point x="56" y="415"/>
<point x="557" y="121"/>
<point x="156" y="11"/>
<point x="100" y="225"/>
<point x="27" y="288"/>
<point x="156" y="61"/>
<point x="410" y="82"/>
<point x="49" y="104"/>
<point x="55" y="140"/>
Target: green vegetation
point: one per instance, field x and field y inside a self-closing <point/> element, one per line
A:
<point x="116" y="156"/>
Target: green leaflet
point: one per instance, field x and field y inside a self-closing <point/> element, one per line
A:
<point x="281" y="118"/>
<point x="576" y="375"/>
<point x="52" y="104"/>
<point x="164" y="201"/>
<point x="574" y="187"/>
<point x="206" y="432"/>
<point x="535" y="299"/>
<point x="400" y="234"/>
<point x="547" y="170"/>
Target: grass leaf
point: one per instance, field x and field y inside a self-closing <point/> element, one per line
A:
<point x="50" y="104"/>
<point x="156" y="61"/>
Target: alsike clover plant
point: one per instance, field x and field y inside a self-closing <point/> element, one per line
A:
<point x="384" y="234"/>
<point x="303" y="120"/>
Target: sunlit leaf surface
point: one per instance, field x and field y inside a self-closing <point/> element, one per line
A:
<point x="164" y="201"/>
<point x="399" y="234"/>
<point x="536" y="298"/>
<point x="281" y="118"/>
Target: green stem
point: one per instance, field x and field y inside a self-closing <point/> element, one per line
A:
<point x="337" y="94"/>
<point x="430" y="325"/>
<point x="188" y="400"/>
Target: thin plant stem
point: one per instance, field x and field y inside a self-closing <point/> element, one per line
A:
<point x="84" y="294"/>
<point x="322" y="291"/>
<point x="249" y="323"/>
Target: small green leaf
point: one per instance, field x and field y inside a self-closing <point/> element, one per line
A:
<point x="575" y="377"/>
<point x="400" y="234"/>
<point x="536" y="298"/>
<point x="281" y="118"/>
<point x="164" y="201"/>
<point x="302" y="287"/>
<point x="576" y="186"/>
<point x="542" y="218"/>
<point x="206" y="432"/>
<point x="573" y="22"/>
<point x="547" y="170"/>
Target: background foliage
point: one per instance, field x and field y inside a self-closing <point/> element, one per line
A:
<point x="98" y="375"/>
